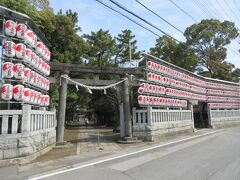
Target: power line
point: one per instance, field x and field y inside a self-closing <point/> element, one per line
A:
<point x="109" y="7"/>
<point x="183" y="11"/>
<point x="204" y="8"/>
<point x="232" y="11"/>
<point x="142" y="19"/>
<point x="159" y="16"/>
<point x="210" y="9"/>
<point x="214" y="9"/>
<point x="99" y="1"/>
<point x="236" y="4"/>
<point x="219" y="4"/>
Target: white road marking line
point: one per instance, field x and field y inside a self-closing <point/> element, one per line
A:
<point x="118" y="157"/>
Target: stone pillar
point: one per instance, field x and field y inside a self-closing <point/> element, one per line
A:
<point x="149" y="115"/>
<point x="210" y="124"/>
<point x="126" y="109"/>
<point x="190" y="107"/>
<point x="122" y="123"/>
<point x="26" y="118"/>
<point x="62" y="109"/>
<point x="149" y="129"/>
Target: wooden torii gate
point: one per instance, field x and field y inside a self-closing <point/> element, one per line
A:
<point x="66" y="69"/>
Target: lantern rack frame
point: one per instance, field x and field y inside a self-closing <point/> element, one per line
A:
<point x="8" y="14"/>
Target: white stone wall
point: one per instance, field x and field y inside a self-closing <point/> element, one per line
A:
<point x="21" y="145"/>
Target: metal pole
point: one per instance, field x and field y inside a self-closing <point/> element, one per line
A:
<point x="62" y="109"/>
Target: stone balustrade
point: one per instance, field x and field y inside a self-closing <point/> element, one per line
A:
<point x="149" y="123"/>
<point x="24" y="132"/>
<point x="224" y="117"/>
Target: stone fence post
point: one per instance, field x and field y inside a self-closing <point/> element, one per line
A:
<point x="26" y="118"/>
<point x="149" y="115"/>
<point x="209" y="117"/>
<point x="190" y="107"/>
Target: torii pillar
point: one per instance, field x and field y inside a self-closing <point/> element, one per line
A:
<point x="62" y="109"/>
<point x="126" y="108"/>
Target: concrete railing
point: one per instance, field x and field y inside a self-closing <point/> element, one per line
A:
<point x="149" y="122"/>
<point x="41" y="120"/>
<point x="223" y="114"/>
<point x="155" y="116"/>
<point x="140" y="116"/>
<point x="10" y="121"/>
<point x="26" y="120"/>
<point x="25" y="132"/>
<point x="224" y="118"/>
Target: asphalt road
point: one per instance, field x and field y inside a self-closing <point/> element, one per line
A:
<point x="215" y="156"/>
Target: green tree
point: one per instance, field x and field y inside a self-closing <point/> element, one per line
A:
<point x="176" y="53"/>
<point x="38" y="10"/>
<point x="236" y="75"/>
<point x="67" y="46"/>
<point x="102" y="48"/>
<point x="24" y="6"/>
<point x="208" y="39"/>
<point x="73" y="17"/>
<point x="123" y="42"/>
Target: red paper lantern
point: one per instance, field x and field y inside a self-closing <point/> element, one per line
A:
<point x="10" y="28"/>
<point x="7" y="92"/>
<point x="20" y="50"/>
<point x="18" y="92"/>
<point x="19" y="71"/>
<point x="8" y="70"/>
<point x="21" y="30"/>
<point x="9" y="48"/>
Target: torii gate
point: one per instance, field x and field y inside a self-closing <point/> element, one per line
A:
<point x="65" y="69"/>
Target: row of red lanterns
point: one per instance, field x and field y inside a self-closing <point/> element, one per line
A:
<point x="152" y="77"/>
<point x="220" y="92"/>
<point x="20" y="72"/>
<point x="150" y="88"/>
<point x="23" y="94"/>
<point x="221" y="99"/>
<point x="170" y="72"/>
<point x="30" y="38"/>
<point x="28" y="56"/>
<point x="223" y="105"/>
<point x="160" y="90"/>
<point x="155" y="67"/>
<point x="224" y="86"/>
<point x="160" y="101"/>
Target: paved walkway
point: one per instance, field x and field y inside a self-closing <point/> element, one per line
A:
<point x="92" y="139"/>
<point x="83" y="141"/>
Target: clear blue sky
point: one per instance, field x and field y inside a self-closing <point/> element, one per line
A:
<point x="93" y="16"/>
